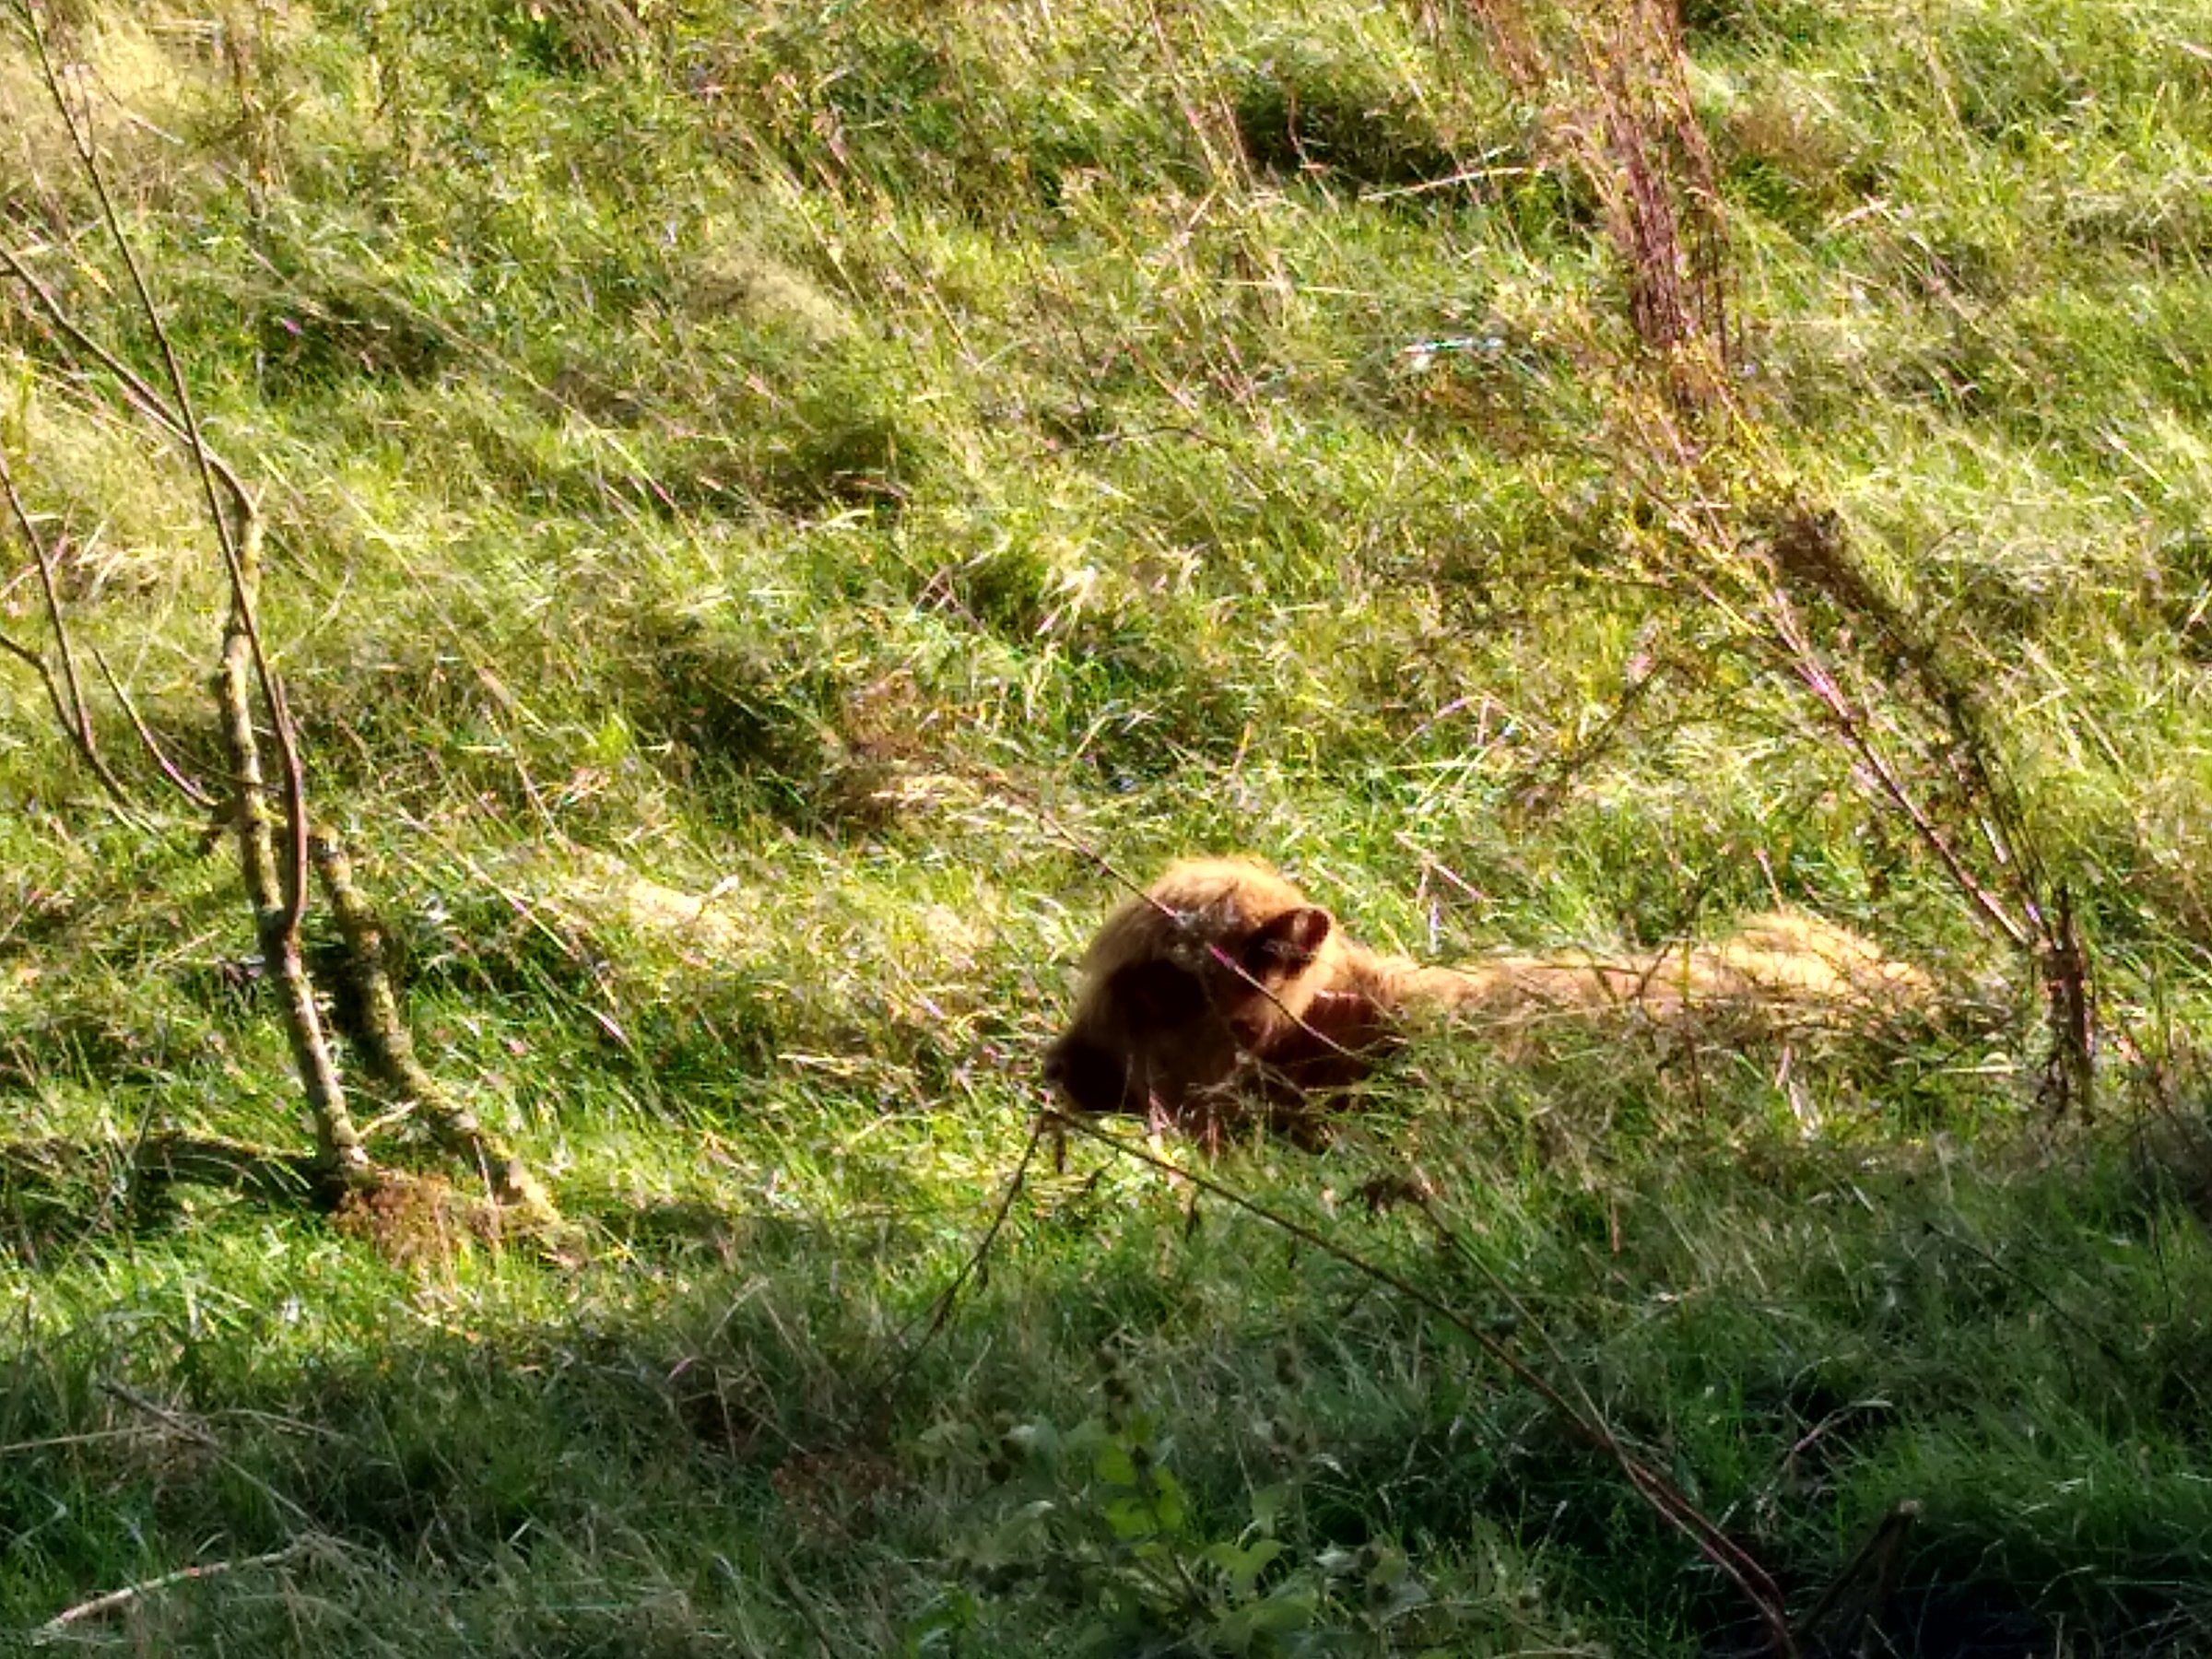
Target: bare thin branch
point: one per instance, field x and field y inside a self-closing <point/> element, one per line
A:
<point x="238" y="532"/>
<point x="277" y="922"/>
<point x="114" y="1599"/>
<point x="941" y="1310"/>
<point x="1805" y="663"/>
<point x="44" y="670"/>
<point x="149" y="402"/>
<point x="277" y="896"/>
<point x="179" y="779"/>
<point x="68" y="694"/>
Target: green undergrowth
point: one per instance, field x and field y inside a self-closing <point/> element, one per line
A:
<point x="761" y="502"/>
<point x="1157" y="1422"/>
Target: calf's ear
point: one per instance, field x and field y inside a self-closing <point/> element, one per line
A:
<point x="1286" y="944"/>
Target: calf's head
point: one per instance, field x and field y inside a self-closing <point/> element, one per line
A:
<point x="1191" y="988"/>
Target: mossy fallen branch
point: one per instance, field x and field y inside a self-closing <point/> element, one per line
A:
<point x="250" y="701"/>
<point x="386" y="1048"/>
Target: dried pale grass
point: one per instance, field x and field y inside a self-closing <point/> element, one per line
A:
<point x="139" y="77"/>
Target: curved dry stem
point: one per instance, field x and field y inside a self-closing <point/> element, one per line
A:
<point x="177" y="778"/>
<point x="67" y="694"/>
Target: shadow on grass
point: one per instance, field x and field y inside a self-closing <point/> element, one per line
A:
<point x="692" y="1435"/>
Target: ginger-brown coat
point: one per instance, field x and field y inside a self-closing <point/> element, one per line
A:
<point x="1223" y="983"/>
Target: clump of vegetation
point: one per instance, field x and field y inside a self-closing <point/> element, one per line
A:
<point x="1298" y="117"/>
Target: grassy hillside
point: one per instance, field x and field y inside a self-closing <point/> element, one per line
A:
<point x="767" y="504"/>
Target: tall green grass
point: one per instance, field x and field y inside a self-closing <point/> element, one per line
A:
<point x="840" y="462"/>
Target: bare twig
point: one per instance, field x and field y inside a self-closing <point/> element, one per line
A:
<point x="1850" y="725"/>
<point x="135" y="387"/>
<point x="1806" y="548"/>
<point x="238" y="532"/>
<point x="178" y="778"/>
<point x="942" y="1310"/>
<point x="115" y="1599"/>
<point x="277" y="924"/>
<point x="44" y="670"/>
<point x="67" y="695"/>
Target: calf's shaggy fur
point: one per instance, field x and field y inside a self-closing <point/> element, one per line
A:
<point x="1222" y="987"/>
